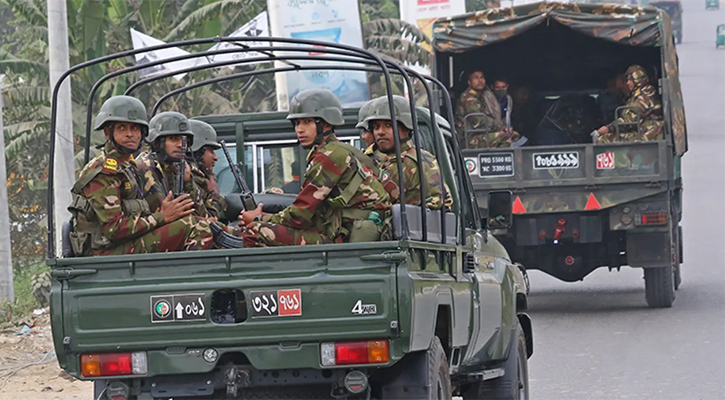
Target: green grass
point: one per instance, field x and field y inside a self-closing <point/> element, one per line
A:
<point x="24" y="302"/>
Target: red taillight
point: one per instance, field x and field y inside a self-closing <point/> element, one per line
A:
<point x="653" y="218"/>
<point x="108" y="364"/>
<point x="350" y="353"/>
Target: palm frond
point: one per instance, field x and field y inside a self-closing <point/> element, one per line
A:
<point x="26" y="95"/>
<point x="10" y="64"/>
<point x="30" y="11"/>
<point x="206" y="13"/>
<point x="394" y="27"/>
<point x="29" y="138"/>
<point x="400" y="49"/>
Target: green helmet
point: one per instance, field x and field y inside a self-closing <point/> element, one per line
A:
<point x="638" y="75"/>
<point x="317" y="103"/>
<point x="121" y="109"/>
<point x="169" y="123"/>
<point x="363" y="114"/>
<point x="204" y="135"/>
<point x="381" y="110"/>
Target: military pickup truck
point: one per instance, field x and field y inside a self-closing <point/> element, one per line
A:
<point x="578" y="205"/>
<point x="436" y="311"/>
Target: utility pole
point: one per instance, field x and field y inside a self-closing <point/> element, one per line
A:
<point x="7" y="291"/>
<point x="64" y="166"/>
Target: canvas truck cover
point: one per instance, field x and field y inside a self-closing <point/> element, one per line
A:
<point x="624" y="24"/>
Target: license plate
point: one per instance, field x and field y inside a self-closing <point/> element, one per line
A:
<point x="276" y="303"/>
<point x="495" y="164"/>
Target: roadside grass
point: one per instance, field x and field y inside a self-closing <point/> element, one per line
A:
<point x="24" y="302"/>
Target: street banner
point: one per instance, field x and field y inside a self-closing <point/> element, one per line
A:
<point x="335" y="21"/>
<point x="259" y="26"/>
<point x="422" y="13"/>
<point x="141" y="41"/>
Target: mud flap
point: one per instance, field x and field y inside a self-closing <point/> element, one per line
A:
<point x="408" y="379"/>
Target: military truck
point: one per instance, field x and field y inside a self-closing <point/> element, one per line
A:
<point x="578" y="205"/>
<point x="437" y="310"/>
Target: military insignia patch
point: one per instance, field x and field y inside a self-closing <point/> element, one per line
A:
<point x="111" y="165"/>
<point x="385" y="177"/>
<point x="127" y="186"/>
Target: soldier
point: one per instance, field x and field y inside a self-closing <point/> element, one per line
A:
<point x="489" y="130"/>
<point x="366" y="134"/>
<point x="110" y="213"/>
<point x="384" y="156"/>
<point x="340" y="200"/>
<point x="158" y="168"/>
<point x="646" y="107"/>
<point x="202" y="168"/>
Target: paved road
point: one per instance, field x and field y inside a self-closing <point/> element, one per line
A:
<point x="597" y="339"/>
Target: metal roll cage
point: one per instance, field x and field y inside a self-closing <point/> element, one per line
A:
<point x="346" y="54"/>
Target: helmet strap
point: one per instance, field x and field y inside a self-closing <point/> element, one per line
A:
<point x="159" y="147"/>
<point x="320" y="132"/>
<point x="122" y="149"/>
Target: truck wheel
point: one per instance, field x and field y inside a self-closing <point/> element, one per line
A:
<point x="515" y="382"/>
<point x="677" y="276"/>
<point x="438" y="375"/>
<point x="659" y="286"/>
<point x="99" y="389"/>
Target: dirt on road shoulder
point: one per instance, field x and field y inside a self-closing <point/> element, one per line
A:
<point x="28" y="367"/>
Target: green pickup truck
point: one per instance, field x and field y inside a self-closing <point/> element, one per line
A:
<point x="579" y="205"/>
<point x="435" y="312"/>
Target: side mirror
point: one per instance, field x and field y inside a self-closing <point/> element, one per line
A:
<point x="500" y="215"/>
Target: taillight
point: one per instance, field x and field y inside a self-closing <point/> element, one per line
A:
<point x="350" y="353"/>
<point x="652" y="218"/>
<point x="113" y="364"/>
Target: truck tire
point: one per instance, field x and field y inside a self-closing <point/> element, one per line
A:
<point x="99" y="389"/>
<point x="515" y="382"/>
<point x="659" y="286"/>
<point x="438" y="374"/>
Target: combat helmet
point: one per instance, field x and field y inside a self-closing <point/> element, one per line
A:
<point x="122" y="109"/>
<point x="363" y="114"/>
<point x="169" y="123"/>
<point x="319" y="104"/>
<point x="638" y="75"/>
<point x="381" y="110"/>
<point x="204" y="135"/>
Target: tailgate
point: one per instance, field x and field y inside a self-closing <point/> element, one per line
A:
<point x="289" y="294"/>
<point x="567" y="175"/>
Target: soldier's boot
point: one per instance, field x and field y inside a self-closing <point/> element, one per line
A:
<point x="263" y="234"/>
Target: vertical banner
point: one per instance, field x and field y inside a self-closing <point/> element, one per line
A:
<point x="422" y="13"/>
<point x="336" y="21"/>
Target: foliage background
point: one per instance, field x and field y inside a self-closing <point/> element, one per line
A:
<point x="100" y="27"/>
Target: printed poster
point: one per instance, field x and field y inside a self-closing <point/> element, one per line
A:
<point x="336" y="21"/>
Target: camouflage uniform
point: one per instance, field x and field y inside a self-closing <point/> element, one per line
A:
<point x="156" y="182"/>
<point x="490" y="129"/>
<point x="646" y="106"/>
<point x="338" y="188"/>
<point x="110" y="214"/>
<point x="388" y="165"/>
<point x="205" y="137"/>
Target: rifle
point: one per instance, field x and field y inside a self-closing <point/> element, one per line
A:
<point x="246" y="194"/>
<point x="181" y="169"/>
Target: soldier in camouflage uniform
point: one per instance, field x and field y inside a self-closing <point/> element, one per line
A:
<point x="384" y="156"/>
<point x="110" y="213"/>
<point x="645" y="107"/>
<point x="486" y="128"/>
<point x="340" y="196"/>
<point x="158" y="168"/>
<point x="202" y="168"/>
<point x="366" y="132"/>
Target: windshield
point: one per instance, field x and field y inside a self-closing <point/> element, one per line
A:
<point x="721" y="29"/>
<point x="267" y="165"/>
<point x="670" y="8"/>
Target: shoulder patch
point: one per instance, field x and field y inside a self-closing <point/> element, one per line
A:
<point x="110" y="165"/>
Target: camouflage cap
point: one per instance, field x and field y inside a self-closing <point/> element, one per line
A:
<point x="317" y="103"/>
<point x="169" y="123"/>
<point x="121" y="109"/>
<point x="381" y="110"/>
<point x="363" y="114"/>
<point x="638" y="75"/>
<point x="204" y="135"/>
